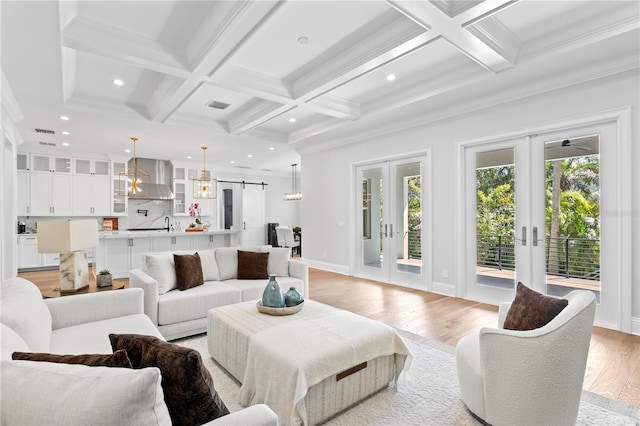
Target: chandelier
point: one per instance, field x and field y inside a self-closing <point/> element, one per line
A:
<point x="203" y="185"/>
<point x="134" y="180"/>
<point x="294" y="194"/>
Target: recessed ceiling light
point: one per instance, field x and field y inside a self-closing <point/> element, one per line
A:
<point x="65" y="143"/>
<point x="391" y="77"/>
<point x="303" y="40"/>
<point x="127" y="150"/>
<point x="189" y="157"/>
<point x="64" y="117"/>
<point x="250" y="155"/>
<point x="65" y="133"/>
<point x="292" y="120"/>
<point x="271" y="148"/>
<point x="118" y="82"/>
<point x="232" y="162"/>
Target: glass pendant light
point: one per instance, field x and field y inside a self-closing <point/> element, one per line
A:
<point x="204" y="187"/>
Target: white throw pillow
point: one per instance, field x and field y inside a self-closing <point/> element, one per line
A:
<point x="210" y="270"/>
<point x="227" y="260"/>
<point x="161" y="268"/>
<point x="278" y="260"/>
<point x="44" y="393"/>
<point x="24" y="311"/>
<point x="11" y="342"/>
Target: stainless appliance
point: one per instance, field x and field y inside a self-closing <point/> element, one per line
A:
<point x="160" y="179"/>
<point x="22" y="227"/>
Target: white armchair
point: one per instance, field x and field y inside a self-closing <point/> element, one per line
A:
<point x="529" y="377"/>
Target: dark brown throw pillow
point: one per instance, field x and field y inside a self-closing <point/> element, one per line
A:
<point x="531" y="309"/>
<point x="188" y="270"/>
<point x="116" y="359"/>
<point x="187" y="384"/>
<point x="252" y="265"/>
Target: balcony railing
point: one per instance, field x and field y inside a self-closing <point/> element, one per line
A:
<point x="566" y="257"/>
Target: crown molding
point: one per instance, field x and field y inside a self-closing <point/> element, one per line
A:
<point x="552" y="46"/>
<point x="9" y="102"/>
<point x="498" y="37"/>
<point x="596" y="71"/>
<point x="334" y="106"/>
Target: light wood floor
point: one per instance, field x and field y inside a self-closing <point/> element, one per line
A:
<point x="613" y="366"/>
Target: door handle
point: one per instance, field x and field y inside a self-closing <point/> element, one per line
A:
<point x="385" y="230"/>
<point x="391" y="230"/>
<point x="535" y="236"/>
<point x="524" y="236"/>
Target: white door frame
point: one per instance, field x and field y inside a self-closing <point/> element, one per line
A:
<point x="424" y="156"/>
<point x="622" y="119"/>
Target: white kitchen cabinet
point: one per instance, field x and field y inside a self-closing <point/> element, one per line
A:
<point x="22" y="161"/>
<point x="23" y="190"/>
<point x="28" y="256"/>
<point x="50" y="259"/>
<point x="91" y="195"/>
<point x="82" y="166"/>
<point x="50" y="193"/>
<point x="120" y="255"/>
<point x="172" y="242"/>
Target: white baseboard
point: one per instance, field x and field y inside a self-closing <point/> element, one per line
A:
<point x="443" y="288"/>
<point x="635" y="326"/>
<point x="331" y="267"/>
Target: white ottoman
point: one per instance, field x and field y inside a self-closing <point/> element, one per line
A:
<point x="341" y="358"/>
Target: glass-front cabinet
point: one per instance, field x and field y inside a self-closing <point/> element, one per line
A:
<point x="119" y="199"/>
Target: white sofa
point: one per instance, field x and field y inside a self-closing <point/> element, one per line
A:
<point x="180" y="313"/>
<point x="48" y="393"/>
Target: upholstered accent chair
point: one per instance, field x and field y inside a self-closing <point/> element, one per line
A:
<point x="531" y="377"/>
<point x="285" y="237"/>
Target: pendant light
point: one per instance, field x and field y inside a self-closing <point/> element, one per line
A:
<point x="203" y="186"/>
<point x="294" y="195"/>
<point x="134" y="181"/>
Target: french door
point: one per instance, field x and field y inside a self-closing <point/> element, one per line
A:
<point x="535" y="212"/>
<point x="390" y="201"/>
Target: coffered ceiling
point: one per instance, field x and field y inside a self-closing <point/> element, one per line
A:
<point x="296" y="75"/>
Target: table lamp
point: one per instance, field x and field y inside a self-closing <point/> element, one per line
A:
<point x="72" y="239"/>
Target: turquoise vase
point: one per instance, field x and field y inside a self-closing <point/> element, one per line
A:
<point x="272" y="296"/>
<point x="292" y="297"/>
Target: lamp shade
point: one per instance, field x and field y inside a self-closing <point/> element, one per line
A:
<point x="67" y="235"/>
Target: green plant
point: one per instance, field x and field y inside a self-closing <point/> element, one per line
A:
<point x="104" y="271"/>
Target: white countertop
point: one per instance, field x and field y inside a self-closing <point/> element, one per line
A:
<point x="161" y="233"/>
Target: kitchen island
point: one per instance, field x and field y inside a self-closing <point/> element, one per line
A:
<point x="121" y="251"/>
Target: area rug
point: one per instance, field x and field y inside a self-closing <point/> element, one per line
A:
<point x="429" y="397"/>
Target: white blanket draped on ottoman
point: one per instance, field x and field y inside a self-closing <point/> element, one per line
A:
<point x="285" y="361"/>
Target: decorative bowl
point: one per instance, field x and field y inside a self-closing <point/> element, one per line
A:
<point x="288" y="310"/>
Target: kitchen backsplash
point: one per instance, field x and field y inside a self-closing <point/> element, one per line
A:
<point x="148" y="213"/>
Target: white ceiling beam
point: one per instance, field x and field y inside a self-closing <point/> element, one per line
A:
<point x="253" y="114"/>
<point x="392" y="42"/>
<point x="97" y="38"/>
<point x="67" y="11"/>
<point x="431" y="16"/>
<point x="225" y="29"/>
<point x="334" y="106"/>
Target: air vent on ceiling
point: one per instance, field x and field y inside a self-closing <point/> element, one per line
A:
<point x="47" y="143"/>
<point x="44" y="131"/>
<point x="218" y="105"/>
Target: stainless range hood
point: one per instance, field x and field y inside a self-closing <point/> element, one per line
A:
<point x="160" y="179"/>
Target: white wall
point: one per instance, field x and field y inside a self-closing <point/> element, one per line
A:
<point x="327" y="175"/>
